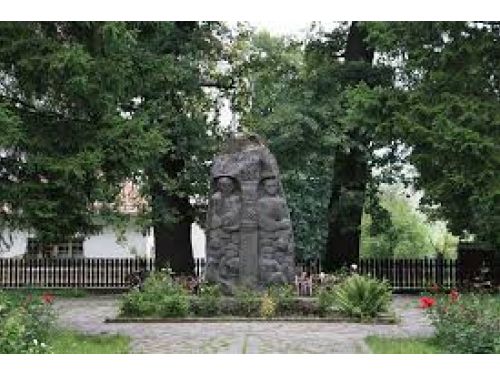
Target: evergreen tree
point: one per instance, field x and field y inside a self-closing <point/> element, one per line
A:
<point x="450" y="116"/>
<point x="85" y="106"/>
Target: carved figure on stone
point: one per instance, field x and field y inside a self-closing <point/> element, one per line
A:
<point x="249" y="238"/>
<point x="224" y="223"/>
<point x="275" y="240"/>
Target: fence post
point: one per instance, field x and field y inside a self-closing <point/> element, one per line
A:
<point x="440" y="270"/>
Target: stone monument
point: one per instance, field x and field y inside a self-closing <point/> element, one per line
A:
<point x="249" y="232"/>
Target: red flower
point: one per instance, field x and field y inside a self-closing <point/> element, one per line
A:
<point x="454" y="295"/>
<point x="426" y="302"/>
<point x="48" y="298"/>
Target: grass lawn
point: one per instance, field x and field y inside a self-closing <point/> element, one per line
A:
<point x="70" y="342"/>
<point x="390" y="345"/>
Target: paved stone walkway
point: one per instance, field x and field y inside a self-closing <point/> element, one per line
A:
<point x="88" y="314"/>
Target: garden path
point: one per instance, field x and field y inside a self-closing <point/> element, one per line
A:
<point x="87" y="314"/>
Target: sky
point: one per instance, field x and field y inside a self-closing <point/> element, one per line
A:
<point x="283" y="27"/>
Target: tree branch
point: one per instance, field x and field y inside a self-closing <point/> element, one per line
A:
<point x="34" y="110"/>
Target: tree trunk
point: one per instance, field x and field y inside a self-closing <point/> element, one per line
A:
<point x="346" y="210"/>
<point x="173" y="240"/>
<point x="172" y="237"/>
<point x="350" y="175"/>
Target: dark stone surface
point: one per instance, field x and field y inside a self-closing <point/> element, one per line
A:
<point x="249" y="232"/>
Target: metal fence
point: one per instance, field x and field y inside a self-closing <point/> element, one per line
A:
<point x="412" y="274"/>
<point x="90" y="273"/>
<point x="99" y="273"/>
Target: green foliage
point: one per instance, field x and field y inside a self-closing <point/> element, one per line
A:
<point x="430" y="98"/>
<point x="25" y="324"/>
<point x="326" y="302"/>
<point x="408" y="234"/>
<point x="268" y="306"/>
<point x="247" y="302"/>
<point x="277" y="95"/>
<point x="85" y="106"/>
<point x="302" y="97"/>
<point x="449" y="116"/>
<point x="324" y="292"/>
<point x="284" y="297"/>
<point x="470" y="324"/>
<point x="172" y="306"/>
<point x="160" y="297"/>
<point x="358" y="296"/>
<point x="208" y="300"/>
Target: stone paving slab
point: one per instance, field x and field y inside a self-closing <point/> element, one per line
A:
<point x="88" y="315"/>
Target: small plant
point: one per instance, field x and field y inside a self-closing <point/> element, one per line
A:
<point x="358" y="296"/>
<point x="326" y="302"/>
<point x="159" y="296"/>
<point x="247" y="302"/>
<point x="284" y="296"/>
<point x="172" y="306"/>
<point x="209" y="300"/>
<point x="25" y="324"/>
<point x="330" y="280"/>
<point x="267" y="306"/>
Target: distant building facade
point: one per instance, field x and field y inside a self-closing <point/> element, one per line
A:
<point x="133" y="242"/>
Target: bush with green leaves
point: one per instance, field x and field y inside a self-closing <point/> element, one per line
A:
<point x="284" y="296"/>
<point x="357" y="296"/>
<point x="268" y="306"/>
<point x="469" y="324"/>
<point x="160" y="296"/>
<point x="208" y="301"/>
<point x="247" y="302"/>
<point x="25" y="324"/>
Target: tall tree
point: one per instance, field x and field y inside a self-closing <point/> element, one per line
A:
<point x="275" y="101"/>
<point x="449" y="73"/>
<point x="322" y="115"/>
<point x="351" y="172"/>
<point x="364" y="129"/>
<point x="86" y="105"/>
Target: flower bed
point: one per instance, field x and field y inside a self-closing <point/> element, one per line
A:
<point x="162" y="299"/>
<point x="468" y="323"/>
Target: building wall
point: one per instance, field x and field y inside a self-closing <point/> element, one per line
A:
<point x="108" y="245"/>
<point x="104" y="245"/>
<point x="17" y="247"/>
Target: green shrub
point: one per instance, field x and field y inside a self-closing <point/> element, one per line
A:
<point x="171" y="306"/>
<point x="326" y="302"/>
<point x="469" y="324"/>
<point x="247" y="302"/>
<point x="268" y="306"/>
<point x="25" y="324"/>
<point x="284" y="296"/>
<point x="357" y="296"/>
<point x="324" y="291"/>
<point x="160" y="296"/>
<point x="208" y="301"/>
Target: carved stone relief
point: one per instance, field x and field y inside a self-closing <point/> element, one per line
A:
<point x="249" y="232"/>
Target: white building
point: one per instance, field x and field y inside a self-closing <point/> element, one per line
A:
<point x="110" y="243"/>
